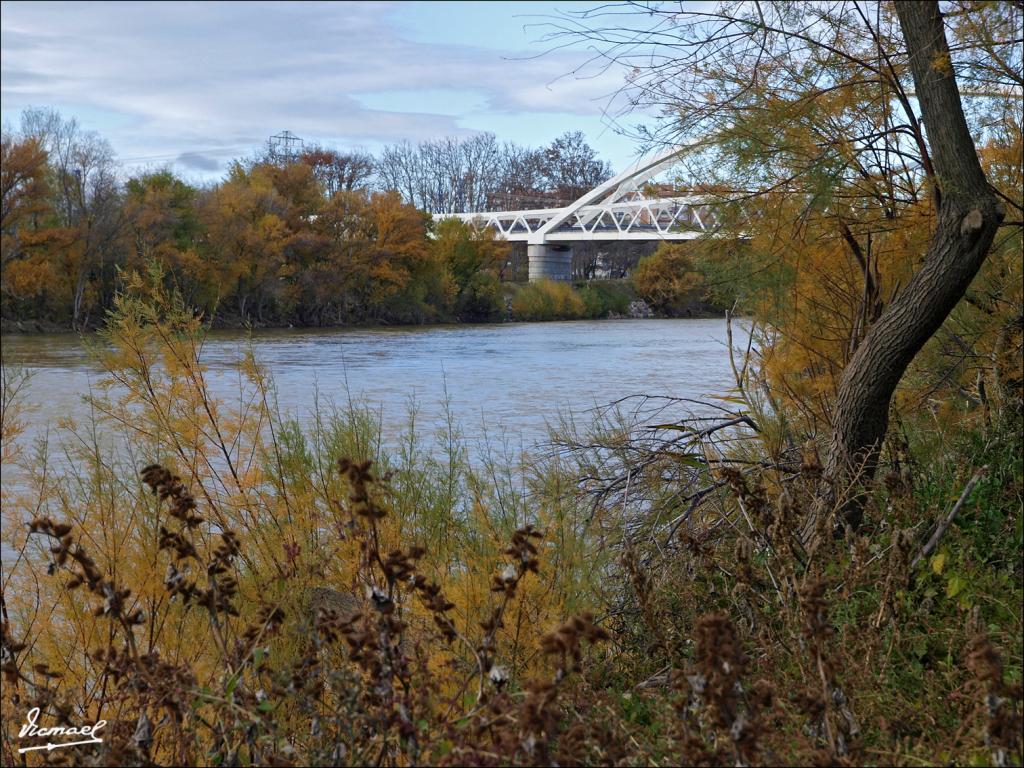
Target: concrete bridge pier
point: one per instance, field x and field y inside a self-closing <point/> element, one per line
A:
<point x="549" y="261"/>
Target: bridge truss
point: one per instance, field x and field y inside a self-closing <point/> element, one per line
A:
<point x="618" y="209"/>
<point x="672" y="218"/>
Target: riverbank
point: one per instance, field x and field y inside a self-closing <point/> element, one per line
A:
<point x="31" y="326"/>
<point x="636" y="310"/>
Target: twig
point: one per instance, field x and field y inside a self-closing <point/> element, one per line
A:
<point x="694" y="500"/>
<point x="941" y="528"/>
<point x="732" y="359"/>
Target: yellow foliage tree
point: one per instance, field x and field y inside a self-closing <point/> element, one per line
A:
<point x="668" y="279"/>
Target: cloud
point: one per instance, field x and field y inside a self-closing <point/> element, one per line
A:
<point x="178" y="79"/>
<point x="198" y="161"/>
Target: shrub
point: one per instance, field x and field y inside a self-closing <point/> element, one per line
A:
<point x="606" y="297"/>
<point x="547" y="300"/>
<point x="482" y="300"/>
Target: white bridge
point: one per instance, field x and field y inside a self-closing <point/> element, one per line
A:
<point x="617" y="210"/>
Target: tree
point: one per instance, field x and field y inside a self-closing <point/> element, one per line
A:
<point x="377" y="264"/>
<point x="967" y="219"/>
<point x="87" y="203"/>
<point x="337" y="171"/>
<point x="22" y="183"/>
<point x="448" y="175"/>
<point x="833" y="136"/>
<point x="338" y="281"/>
<point x="399" y="167"/>
<point x="24" y="273"/>
<point x="162" y="223"/>
<point x="571" y="167"/>
<point x="473" y="257"/>
<point x="667" y="279"/>
<point x="467" y="249"/>
<point x="246" y="235"/>
<point x="521" y="182"/>
<point x="407" y="282"/>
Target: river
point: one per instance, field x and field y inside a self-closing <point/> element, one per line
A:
<point x="501" y="381"/>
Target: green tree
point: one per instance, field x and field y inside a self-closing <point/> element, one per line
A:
<point x="162" y="222"/>
<point x="473" y="257"/>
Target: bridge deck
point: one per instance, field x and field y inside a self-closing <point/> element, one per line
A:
<point x="604" y="235"/>
<point x="674" y="218"/>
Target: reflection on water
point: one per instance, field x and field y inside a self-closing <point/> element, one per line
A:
<point x="509" y="380"/>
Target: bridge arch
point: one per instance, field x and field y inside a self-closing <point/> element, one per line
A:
<point x="616" y="210"/>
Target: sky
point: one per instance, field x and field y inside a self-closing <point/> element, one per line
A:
<point x="195" y="84"/>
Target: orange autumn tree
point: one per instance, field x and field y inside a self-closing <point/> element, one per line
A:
<point x="26" y="275"/>
<point x="408" y="279"/>
<point x="246" y="235"/>
<point x="277" y="247"/>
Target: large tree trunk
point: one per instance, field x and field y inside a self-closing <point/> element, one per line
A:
<point x="967" y="220"/>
